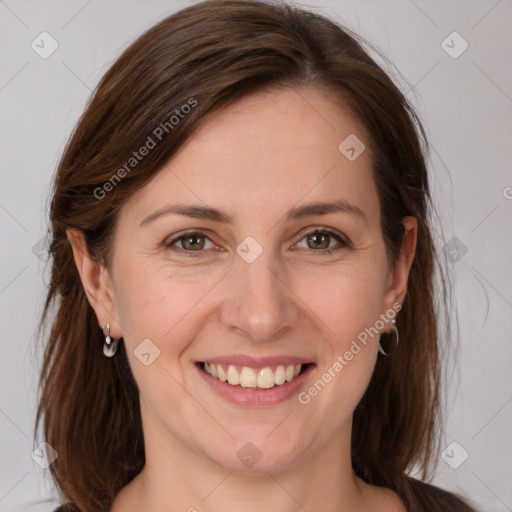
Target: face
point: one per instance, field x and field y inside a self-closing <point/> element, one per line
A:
<point x="268" y="288"/>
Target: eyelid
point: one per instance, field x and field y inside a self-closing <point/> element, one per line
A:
<point x="342" y="239"/>
<point x="168" y="243"/>
<point x="329" y="231"/>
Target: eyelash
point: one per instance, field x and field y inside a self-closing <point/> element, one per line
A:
<point x="316" y="231"/>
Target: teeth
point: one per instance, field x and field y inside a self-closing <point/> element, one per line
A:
<point x="248" y="378"/>
<point x="280" y="375"/>
<point x="233" y="376"/>
<point x="264" y="378"/>
<point x="221" y="373"/>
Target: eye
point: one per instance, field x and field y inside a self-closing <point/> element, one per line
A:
<point x="190" y="242"/>
<point x="194" y="242"/>
<point x="321" y="240"/>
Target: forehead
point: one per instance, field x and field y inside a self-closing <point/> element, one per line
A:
<point x="268" y="151"/>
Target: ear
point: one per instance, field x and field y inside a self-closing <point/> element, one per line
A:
<point x="398" y="276"/>
<point x="96" y="282"/>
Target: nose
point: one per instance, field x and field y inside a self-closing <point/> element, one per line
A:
<point x="259" y="303"/>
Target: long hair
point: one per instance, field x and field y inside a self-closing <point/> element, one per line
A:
<point x="207" y="56"/>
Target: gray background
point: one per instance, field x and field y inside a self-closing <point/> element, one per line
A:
<point x="465" y="104"/>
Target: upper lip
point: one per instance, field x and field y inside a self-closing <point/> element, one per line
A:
<point x="256" y="362"/>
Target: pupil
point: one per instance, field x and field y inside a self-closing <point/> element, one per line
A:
<point x="190" y="239"/>
<point x="318" y="235"/>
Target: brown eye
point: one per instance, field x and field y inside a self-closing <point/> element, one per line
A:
<point x="193" y="241"/>
<point x="320" y="240"/>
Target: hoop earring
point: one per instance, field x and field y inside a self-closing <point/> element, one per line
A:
<point x="110" y="345"/>
<point x="381" y="350"/>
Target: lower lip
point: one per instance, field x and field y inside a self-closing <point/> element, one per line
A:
<point x="256" y="396"/>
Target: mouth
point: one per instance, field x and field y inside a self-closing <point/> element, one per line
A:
<point x="254" y="377"/>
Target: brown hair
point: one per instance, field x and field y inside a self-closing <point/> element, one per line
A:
<point x="215" y="52"/>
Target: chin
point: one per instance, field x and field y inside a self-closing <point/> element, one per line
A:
<point x="259" y="452"/>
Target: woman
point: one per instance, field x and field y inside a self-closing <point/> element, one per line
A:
<point x="243" y="274"/>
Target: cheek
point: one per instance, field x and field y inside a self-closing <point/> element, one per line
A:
<point x="155" y="306"/>
<point x="349" y="350"/>
<point x="348" y="300"/>
<point x="153" y="302"/>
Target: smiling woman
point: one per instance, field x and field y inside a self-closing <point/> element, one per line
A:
<point x="245" y="317"/>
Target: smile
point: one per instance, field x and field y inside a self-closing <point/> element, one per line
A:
<point x="249" y="377"/>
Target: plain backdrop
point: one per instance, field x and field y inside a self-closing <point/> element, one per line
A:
<point x="464" y="99"/>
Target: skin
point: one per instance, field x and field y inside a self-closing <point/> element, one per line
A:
<point x="256" y="159"/>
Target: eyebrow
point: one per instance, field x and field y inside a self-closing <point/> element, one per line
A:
<point x="214" y="214"/>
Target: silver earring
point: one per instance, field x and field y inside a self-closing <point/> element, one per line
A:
<point x="381" y="350"/>
<point x="110" y="345"/>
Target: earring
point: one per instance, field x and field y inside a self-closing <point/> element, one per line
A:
<point x="110" y="345"/>
<point x="381" y="350"/>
